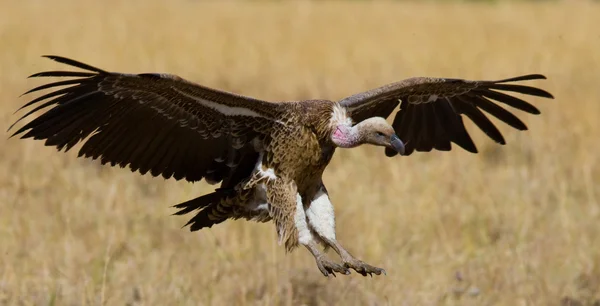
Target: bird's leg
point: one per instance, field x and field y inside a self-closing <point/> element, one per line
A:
<point x="351" y="262"/>
<point x="305" y="237"/>
<point x="322" y="221"/>
<point x="323" y="262"/>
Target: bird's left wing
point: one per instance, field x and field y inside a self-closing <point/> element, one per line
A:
<point x="430" y="109"/>
<point x="157" y="123"/>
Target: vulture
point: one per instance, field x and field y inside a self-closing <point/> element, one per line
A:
<point x="268" y="157"/>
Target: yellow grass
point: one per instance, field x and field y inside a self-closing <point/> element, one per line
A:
<point x="519" y="223"/>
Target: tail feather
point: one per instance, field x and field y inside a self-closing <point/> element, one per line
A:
<point x="210" y="211"/>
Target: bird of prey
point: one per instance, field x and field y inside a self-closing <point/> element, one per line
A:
<point x="268" y="157"/>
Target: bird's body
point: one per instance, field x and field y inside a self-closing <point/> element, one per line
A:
<point x="300" y="156"/>
<point x="269" y="158"/>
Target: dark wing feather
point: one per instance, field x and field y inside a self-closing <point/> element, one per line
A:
<point x="430" y="109"/>
<point x="155" y="123"/>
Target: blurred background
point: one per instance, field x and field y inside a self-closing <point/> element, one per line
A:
<point x="512" y="225"/>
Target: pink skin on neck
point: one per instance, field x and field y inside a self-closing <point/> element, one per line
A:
<point x="345" y="136"/>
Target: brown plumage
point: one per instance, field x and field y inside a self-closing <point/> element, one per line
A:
<point x="268" y="157"/>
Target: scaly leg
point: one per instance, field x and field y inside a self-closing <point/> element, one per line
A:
<point x="305" y="237"/>
<point x="353" y="263"/>
<point x="323" y="263"/>
<point x="321" y="218"/>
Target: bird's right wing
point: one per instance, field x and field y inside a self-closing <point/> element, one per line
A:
<point x="429" y="116"/>
<point x="159" y="123"/>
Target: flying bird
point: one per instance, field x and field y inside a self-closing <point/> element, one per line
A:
<point x="267" y="157"/>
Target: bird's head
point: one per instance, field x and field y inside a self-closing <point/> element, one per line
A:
<point x="375" y="131"/>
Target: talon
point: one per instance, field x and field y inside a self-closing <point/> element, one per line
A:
<point x="322" y="269"/>
<point x="363" y="268"/>
<point x="328" y="267"/>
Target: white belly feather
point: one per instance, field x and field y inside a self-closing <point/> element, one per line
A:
<point x="317" y="218"/>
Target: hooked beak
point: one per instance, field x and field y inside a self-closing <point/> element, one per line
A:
<point x="397" y="144"/>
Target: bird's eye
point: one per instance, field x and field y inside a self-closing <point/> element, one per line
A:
<point x="380" y="134"/>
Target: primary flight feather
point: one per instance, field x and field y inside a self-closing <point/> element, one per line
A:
<point x="268" y="157"/>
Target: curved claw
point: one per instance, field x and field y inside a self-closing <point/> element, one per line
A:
<point x="328" y="267"/>
<point x="363" y="268"/>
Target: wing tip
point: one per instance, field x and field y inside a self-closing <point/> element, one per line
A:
<point x="52" y="57"/>
<point x="528" y="77"/>
<point x="473" y="151"/>
<point x="538" y="76"/>
<point x="72" y="62"/>
<point x="37" y="74"/>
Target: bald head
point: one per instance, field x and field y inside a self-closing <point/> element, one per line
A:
<point x="375" y="131"/>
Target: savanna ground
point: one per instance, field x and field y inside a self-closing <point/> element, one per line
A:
<point x="513" y="225"/>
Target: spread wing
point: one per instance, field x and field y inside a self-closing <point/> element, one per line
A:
<point x="430" y="109"/>
<point x="155" y="123"/>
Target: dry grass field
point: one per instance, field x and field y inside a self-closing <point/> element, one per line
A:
<point x="514" y="225"/>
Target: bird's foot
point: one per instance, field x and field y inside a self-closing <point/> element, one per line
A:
<point x="329" y="267"/>
<point x="363" y="268"/>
